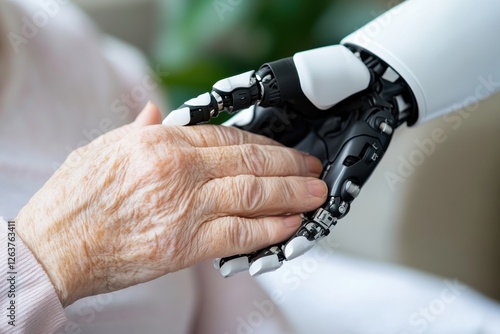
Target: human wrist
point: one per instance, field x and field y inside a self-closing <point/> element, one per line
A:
<point x="50" y="248"/>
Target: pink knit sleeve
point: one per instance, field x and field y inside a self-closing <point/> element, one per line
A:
<point x="28" y="301"/>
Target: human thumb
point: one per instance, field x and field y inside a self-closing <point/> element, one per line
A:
<point x="150" y="115"/>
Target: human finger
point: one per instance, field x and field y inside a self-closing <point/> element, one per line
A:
<point x="227" y="236"/>
<point x="250" y="196"/>
<point x="258" y="160"/>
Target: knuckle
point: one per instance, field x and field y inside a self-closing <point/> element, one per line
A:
<point x="231" y="135"/>
<point x="220" y="135"/>
<point x="144" y="137"/>
<point x="251" y="191"/>
<point x="240" y="234"/>
<point x="178" y="157"/>
<point x="255" y="159"/>
<point x="186" y="161"/>
<point x="203" y="137"/>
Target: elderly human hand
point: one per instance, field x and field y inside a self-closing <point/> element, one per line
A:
<point x="145" y="200"/>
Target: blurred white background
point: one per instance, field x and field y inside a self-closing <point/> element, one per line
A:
<point x="134" y="21"/>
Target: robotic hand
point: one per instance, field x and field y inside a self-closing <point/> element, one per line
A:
<point x="345" y="115"/>
<point x="342" y="103"/>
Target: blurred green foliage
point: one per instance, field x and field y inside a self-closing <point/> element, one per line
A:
<point x="204" y="41"/>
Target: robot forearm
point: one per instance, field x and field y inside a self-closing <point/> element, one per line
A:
<point x="447" y="51"/>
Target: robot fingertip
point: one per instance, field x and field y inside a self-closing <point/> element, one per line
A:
<point x="178" y="117"/>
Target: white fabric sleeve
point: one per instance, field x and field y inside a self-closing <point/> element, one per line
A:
<point x="447" y="50"/>
<point x="28" y="299"/>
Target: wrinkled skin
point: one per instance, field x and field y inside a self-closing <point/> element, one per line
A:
<point x="145" y="200"/>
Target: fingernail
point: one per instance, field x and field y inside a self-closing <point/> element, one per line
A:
<point x="317" y="188"/>
<point x="292" y="221"/>
<point x="314" y="165"/>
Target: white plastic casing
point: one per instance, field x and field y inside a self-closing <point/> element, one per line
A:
<point x="329" y="75"/>
<point x="237" y="81"/>
<point x="178" y="117"/>
<point x="448" y="51"/>
<point x="181" y="117"/>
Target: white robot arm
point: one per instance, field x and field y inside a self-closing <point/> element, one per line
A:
<point x="448" y="51"/>
<point x="341" y="103"/>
